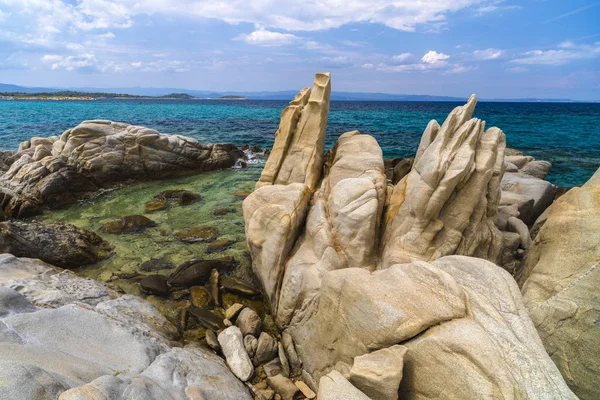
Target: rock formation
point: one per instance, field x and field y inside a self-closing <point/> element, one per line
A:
<point x="560" y="282"/>
<point x="63" y="245"/>
<point x="354" y="266"/>
<point x="66" y="337"/>
<point x="56" y="171"/>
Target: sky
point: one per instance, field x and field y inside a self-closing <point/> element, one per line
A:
<point x="494" y="48"/>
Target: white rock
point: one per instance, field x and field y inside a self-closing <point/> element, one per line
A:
<point x="334" y="386"/>
<point x="378" y="374"/>
<point x="232" y="344"/>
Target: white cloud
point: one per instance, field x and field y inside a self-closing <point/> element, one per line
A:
<point x="433" y="57"/>
<point x="88" y="63"/>
<point x="488" y="54"/>
<point x="368" y="66"/>
<point x="566" y="53"/>
<point x="290" y="15"/>
<point x="336" y="62"/>
<point x="461" y="69"/>
<point x="403" y="58"/>
<point x="263" y="37"/>
<point x="83" y="63"/>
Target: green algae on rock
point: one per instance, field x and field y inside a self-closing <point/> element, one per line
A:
<point x="129" y="224"/>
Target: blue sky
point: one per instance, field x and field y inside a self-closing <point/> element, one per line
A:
<point x="494" y="48"/>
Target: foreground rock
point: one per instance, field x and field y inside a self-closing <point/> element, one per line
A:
<point x="560" y="281"/>
<point x="347" y="281"/>
<point x="73" y="337"/>
<point x="57" y="171"/>
<point x="62" y="245"/>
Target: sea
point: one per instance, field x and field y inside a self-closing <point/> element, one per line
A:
<point x="566" y="134"/>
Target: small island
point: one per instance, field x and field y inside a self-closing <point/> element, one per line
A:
<point x="86" y="96"/>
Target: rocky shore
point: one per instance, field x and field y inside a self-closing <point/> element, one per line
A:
<point x="459" y="273"/>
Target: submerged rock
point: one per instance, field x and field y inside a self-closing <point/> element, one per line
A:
<point x="155" y="284"/>
<point x="206" y="318"/>
<point x="164" y="199"/>
<point x="236" y="286"/>
<point x="129" y="224"/>
<point x="62" y="245"/>
<point x="196" y="272"/>
<point x="116" y="347"/>
<point x="198" y="234"/>
<point x="155" y="264"/>
<point x="57" y="171"/>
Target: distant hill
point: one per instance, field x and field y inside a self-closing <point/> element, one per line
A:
<point x="178" y="93"/>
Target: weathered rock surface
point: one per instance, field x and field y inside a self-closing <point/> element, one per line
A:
<point x="560" y="281"/>
<point x="57" y="171"/>
<point x="128" y="224"/>
<point x="448" y="203"/>
<point x="249" y="322"/>
<point x="63" y="245"/>
<point x="342" y="293"/>
<point x="69" y="335"/>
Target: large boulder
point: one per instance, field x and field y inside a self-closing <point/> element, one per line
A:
<point x="63" y="245"/>
<point x="560" y="282"/>
<point x="57" y="171"/>
<point x="61" y="335"/>
<point x="353" y="266"/>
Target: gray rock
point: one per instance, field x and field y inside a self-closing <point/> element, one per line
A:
<point x="63" y="245"/>
<point x="290" y="351"/>
<point x="250" y="344"/>
<point x="22" y="381"/>
<point x="11" y="302"/>
<point x="520" y="161"/>
<point x="231" y="341"/>
<point x="273" y="368"/>
<point x="530" y="188"/>
<point x="267" y="348"/>
<point x="249" y="322"/>
<point x="519" y="227"/>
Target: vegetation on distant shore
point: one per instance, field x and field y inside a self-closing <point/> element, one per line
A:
<point x="74" y="95"/>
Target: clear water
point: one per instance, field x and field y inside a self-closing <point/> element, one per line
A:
<point x="568" y="135"/>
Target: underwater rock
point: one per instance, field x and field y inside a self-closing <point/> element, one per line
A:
<point x="165" y="198"/>
<point x="218" y="211"/>
<point x="220" y="245"/>
<point x="236" y="286"/>
<point x="212" y="341"/>
<point x="129" y="224"/>
<point x="197" y="272"/>
<point x="57" y="171"/>
<point x="155" y="205"/>
<point x="155" y="284"/>
<point x="200" y="297"/>
<point x="213" y="285"/>
<point x="63" y="245"/>
<point x="206" y="318"/>
<point x="198" y="234"/>
<point x="155" y="264"/>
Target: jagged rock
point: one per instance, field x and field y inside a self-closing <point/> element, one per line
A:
<point x="343" y="293"/>
<point x="285" y="365"/>
<point x="233" y="348"/>
<point x="213" y="284"/>
<point x="378" y="374"/>
<point x="236" y="286"/>
<point x="57" y="171"/>
<point x="206" y="318"/>
<point x="290" y="352"/>
<point x="86" y="340"/>
<point x="334" y="386"/>
<point x="129" y="224"/>
<point x="402" y="169"/>
<point x="249" y="322"/>
<point x="448" y="203"/>
<point x="519" y="227"/>
<point x="560" y="280"/>
<point x="63" y="245"/>
<point x="6" y="159"/>
<point x="232" y="312"/>
<point x="273" y="368"/>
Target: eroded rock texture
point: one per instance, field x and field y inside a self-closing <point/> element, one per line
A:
<point x="70" y="338"/>
<point x="560" y="282"/>
<point x="56" y="171"/>
<point x="342" y="293"/>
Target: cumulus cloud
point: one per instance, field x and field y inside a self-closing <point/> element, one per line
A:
<point x="88" y="63"/>
<point x="404" y="58"/>
<point x="435" y="58"/>
<point x="488" y="54"/>
<point x="566" y="52"/>
<point x="263" y="37"/>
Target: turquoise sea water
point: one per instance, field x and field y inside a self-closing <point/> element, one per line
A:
<point x="568" y="135"/>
